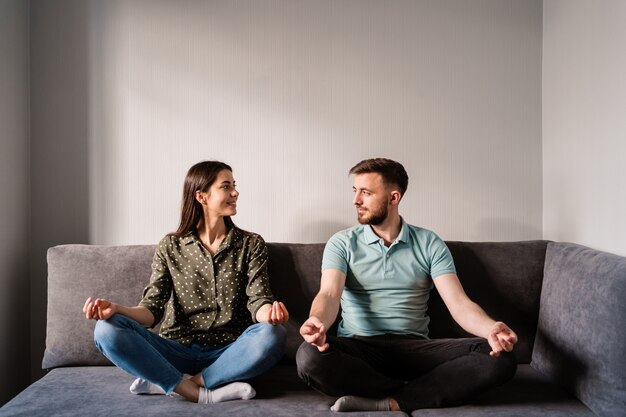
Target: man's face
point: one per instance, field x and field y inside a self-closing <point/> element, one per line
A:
<point x="371" y="198"/>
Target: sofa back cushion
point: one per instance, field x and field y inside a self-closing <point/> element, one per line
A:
<point x="504" y="278"/>
<point x="119" y="273"/>
<point x="294" y="271"/>
<point x="581" y="335"/>
<point x="75" y="272"/>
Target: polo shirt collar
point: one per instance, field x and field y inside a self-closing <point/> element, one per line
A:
<point x="404" y="235"/>
<point x="371" y="237"/>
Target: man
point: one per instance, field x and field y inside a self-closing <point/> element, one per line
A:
<point x="382" y="272"/>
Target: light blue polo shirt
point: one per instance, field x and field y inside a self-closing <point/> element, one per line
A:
<point x="387" y="288"/>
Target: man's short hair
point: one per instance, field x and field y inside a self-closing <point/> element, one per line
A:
<point x="393" y="172"/>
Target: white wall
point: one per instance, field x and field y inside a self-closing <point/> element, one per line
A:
<point x="584" y="123"/>
<point x="14" y="194"/>
<point x="292" y="94"/>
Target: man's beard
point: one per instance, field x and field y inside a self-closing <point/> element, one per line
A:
<point x="376" y="216"/>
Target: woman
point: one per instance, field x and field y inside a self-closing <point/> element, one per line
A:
<point x="209" y="283"/>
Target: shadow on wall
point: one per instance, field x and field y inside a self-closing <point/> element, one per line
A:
<point x="60" y="132"/>
<point x="14" y="321"/>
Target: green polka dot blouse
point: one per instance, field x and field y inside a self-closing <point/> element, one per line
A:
<point x="207" y="299"/>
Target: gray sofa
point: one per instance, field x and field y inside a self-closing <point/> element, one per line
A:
<point x="565" y="301"/>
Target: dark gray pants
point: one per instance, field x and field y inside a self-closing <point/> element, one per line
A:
<point x="416" y="372"/>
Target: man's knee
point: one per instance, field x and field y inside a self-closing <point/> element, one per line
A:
<point x="506" y="367"/>
<point x="503" y="367"/>
<point x="310" y="362"/>
<point x="304" y="356"/>
<point x="499" y="369"/>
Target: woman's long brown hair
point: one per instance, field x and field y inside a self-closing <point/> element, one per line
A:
<point x="199" y="178"/>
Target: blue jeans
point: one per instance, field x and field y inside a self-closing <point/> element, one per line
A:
<point x="163" y="362"/>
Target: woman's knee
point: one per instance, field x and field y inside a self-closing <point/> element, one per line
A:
<point x="274" y="335"/>
<point x="271" y="337"/>
<point x="106" y="332"/>
<point x="104" y="329"/>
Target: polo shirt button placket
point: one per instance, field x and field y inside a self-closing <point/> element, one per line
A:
<point x="388" y="265"/>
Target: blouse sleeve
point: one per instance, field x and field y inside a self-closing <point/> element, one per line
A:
<point x="157" y="293"/>
<point x="258" y="289"/>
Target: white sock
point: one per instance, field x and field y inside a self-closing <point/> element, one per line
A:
<point x="232" y="391"/>
<point x="141" y="386"/>
<point x="352" y="403"/>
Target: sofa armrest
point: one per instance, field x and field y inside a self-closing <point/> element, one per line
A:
<point x="580" y="339"/>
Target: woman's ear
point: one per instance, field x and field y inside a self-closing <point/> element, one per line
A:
<point x="201" y="197"/>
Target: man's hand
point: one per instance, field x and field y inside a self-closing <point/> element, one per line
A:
<point x="275" y="313"/>
<point x="500" y="338"/>
<point x="314" y="332"/>
<point x="99" y="309"/>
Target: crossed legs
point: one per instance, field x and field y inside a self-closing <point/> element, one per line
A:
<point x="416" y="373"/>
<point x="163" y="362"/>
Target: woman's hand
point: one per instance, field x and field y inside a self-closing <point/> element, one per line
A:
<point x="99" y="309"/>
<point x="275" y="313"/>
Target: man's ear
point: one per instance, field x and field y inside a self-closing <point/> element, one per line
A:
<point x="395" y="197"/>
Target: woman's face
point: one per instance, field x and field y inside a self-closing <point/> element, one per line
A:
<point x="220" y="200"/>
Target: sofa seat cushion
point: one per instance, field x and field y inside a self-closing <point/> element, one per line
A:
<point x="529" y="394"/>
<point x="103" y="390"/>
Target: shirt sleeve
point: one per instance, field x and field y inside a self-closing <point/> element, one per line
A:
<point x="258" y="289"/>
<point x="441" y="261"/>
<point x="335" y="254"/>
<point x="157" y="293"/>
